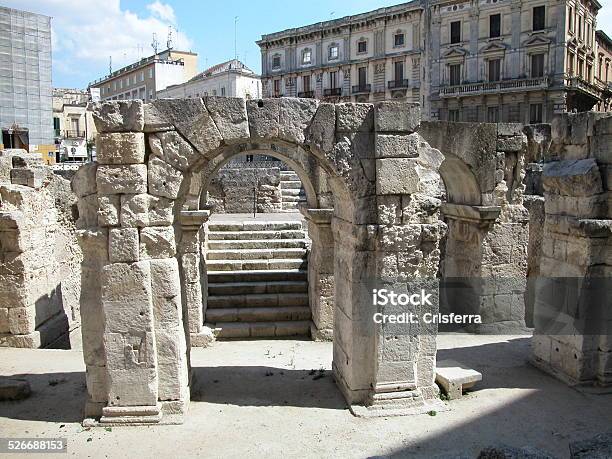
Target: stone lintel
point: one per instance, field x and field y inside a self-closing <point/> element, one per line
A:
<point x="318" y="216"/>
<point x="480" y="214"/>
<point x="194" y="217"/>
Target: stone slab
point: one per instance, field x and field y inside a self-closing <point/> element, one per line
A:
<point x="455" y="377"/>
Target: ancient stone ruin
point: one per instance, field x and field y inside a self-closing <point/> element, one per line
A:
<point x="494" y="219"/>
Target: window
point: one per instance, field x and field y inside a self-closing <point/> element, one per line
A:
<point x="276" y="87"/>
<point x="454" y="74"/>
<point x="214" y="92"/>
<point x="276" y="62"/>
<point x="362" y="76"/>
<point x="333" y="52"/>
<point x="142" y="76"/>
<point x="495" y="25"/>
<point x="398" y="68"/>
<point x="455" y="32"/>
<point x="56" y="123"/>
<point x="493" y="114"/>
<point x="134" y="79"/>
<point x="362" y="46"/>
<point x="306" y="56"/>
<point x="333" y="80"/>
<point x="581" y="68"/>
<point x="537" y="65"/>
<point x="453" y="116"/>
<point x="398" y="39"/>
<point x="535" y="113"/>
<point x="580" y="27"/>
<point x="306" y="83"/>
<point x="114" y="85"/>
<point x="495" y="70"/>
<point x="150" y="73"/>
<point x="108" y="89"/>
<point x="127" y="82"/>
<point x="539" y="18"/>
<point x="223" y="92"/>
<point x="570" y="61"/>
<point x="571" y="19"/>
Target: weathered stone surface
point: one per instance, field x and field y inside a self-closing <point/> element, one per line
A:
<point x="511" y="144"/>
<point x="164" y="180"/>
<point x="157" y="242"/>
<point x="391" y="116"/>
<point x="88" y="211"/>
<point x="572" y="178"/>
<point x="352" y="117"/>
<point x="140" y="210"/>
<point x="230" y="117"/>
<point x="322" y="131"/>
<point x="84" y="181"/>
<point x="119" y="116"/>
<point x="174" y="150"/>
<point x="120" y="148"/>
<point x="108" y="209"/>
<point x="397" y="176"/>
<point x="598" y="447"/>
<point x="14" y="389"/>
<point x="130" y="179"/>
<point x="398" y="145"/>
<point x="166" y="291"/>
<point x="295" y="116"/>
<point x="192" y="120"/>
<point x="33" y="178"/>
<point x="264" y="115"/>
<point x="155" y="121"/>
<point x="123" y="245"/>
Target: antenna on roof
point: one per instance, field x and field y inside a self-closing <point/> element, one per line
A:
<point x="110" y="64"/>
<point x="169" y="41"/>
<point x="235" y="37"/>
<point x="155" y="43"/>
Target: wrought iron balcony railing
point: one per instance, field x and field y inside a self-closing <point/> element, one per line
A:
<point x="362" y="89"/>
<point x="74" y="134"/>
<point x="472" y="89"/>
<point x="332" y="92"/>
<point x="398" y="84"/>
<point x="306" y="94"/>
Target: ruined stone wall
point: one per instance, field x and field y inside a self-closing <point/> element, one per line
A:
<point x="573" y="305"/>
<point x="232" y="190"/>
<point x="39" y="257"/>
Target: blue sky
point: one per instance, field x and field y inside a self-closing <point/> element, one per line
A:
<point x="87" y="32"/>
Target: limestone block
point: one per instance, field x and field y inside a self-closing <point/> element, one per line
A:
<point x="94" y="245"/>
<point x="84" y="181"/>
<point x="33" y="178"/>
<point x="123" y="245"/>
<point x="189" y="241"/>
<point x="509" y="129"/>
<point x="97" y="385"/>
<point x="390" y="116"/>
<point x="157" y="242"/>
<point x="191" y="267"/>
<point x="295" y="116"/>
<point x="139" y="210"/>
<point x="352" y="117"/>
<point x="193" y="300"/>
<point x="510" y="144"/>
<point x="166" y="292"/>
<point x="126" y="297"/>
<point x="455" y="377"/>
<point x="119" y="116"/>
<point x="389" y="210"/>
<point x="172" y="365"/>
<point x="164" y="180"/>
<point x="130" y="179"/>
<point x="397" y="145"/>
<point x="397" y="176"/>
<point x="130" y="351"/>
<point x="22" y="320"/>
<point x="4" y="320"/>
<point x="6" y="164"/>
<point x="602" y="148"/>
<point x="572" y="178"/>
<point x="192" y="120"/>
<point x="133" y="387"/>
<point x="108" y="210"/>
<point x="174" y="150"/>
<point x="230" y="117"/>
<point x="88" y="211"/>
<point x="120" y="148"/>
<point x="154" y="121"/>
<point x="322" y="130"/>
<point x="264" y="115"/>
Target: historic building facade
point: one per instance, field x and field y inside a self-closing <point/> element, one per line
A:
<point x="604" y="70"/>
<point x="476" y="60"/>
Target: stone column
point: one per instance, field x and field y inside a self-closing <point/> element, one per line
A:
<point x="194" y="279"/>
<point x="321" y="272"/>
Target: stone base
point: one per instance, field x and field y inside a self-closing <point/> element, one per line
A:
<point x="324" y="334"/>
<point x="46" y="334"/>
<point x="399" y="407"/>
<point x="164" y="413"/>
<point x="351" y="396"/>
<point x="546" y="367"/>
<point x="206" y="337"/>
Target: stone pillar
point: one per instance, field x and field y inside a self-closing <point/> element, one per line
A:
<point x="194" y="279"/>
<point x="321" y="272"/>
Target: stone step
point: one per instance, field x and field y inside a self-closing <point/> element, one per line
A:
<point x="290" y="185"/>
<point x="257" y="275"/>
<point x="250" y="235"/>
<point x="286" y="192"/>
<point x="264" y="329"/>
<point x="258" y="244"/>
<point x="277" y="314"/>
<point x="255" y="254"/>
<point x="255" y="226"/>
<point x="293" y="206"/>
<point x="275" y="263"/>
<point x="243" y="288"/>
<point x="288" y="175"/>
<point x="287" y="199"/>
<point x="257" y="300"/>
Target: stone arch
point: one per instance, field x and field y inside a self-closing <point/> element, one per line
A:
<point x="460" y="182"/>
<point x="141" y="255"/>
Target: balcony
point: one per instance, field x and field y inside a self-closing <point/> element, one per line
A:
<point x="476" y="89"/>
<point x="579" y="84"/>
<point x="332" y="92"/>
<point x="397" y="84"/>
<point x="277" y="95"/>
<point x="362" y="89"/>
<point x="306" y="94"/>
<point x="74" y="134"/>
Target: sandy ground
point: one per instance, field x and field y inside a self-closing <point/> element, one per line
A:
<point x="259" y="399"/>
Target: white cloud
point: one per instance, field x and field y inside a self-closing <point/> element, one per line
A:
<point x="87" y="33"/>
<point x="163" y="11"/>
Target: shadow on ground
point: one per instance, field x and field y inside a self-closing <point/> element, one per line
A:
<point x="56" y="397"/>
<point x="266" y="386"/>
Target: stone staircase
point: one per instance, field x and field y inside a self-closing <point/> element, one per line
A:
<point x="292" y="191"/>
<point x="257" y="279"/>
